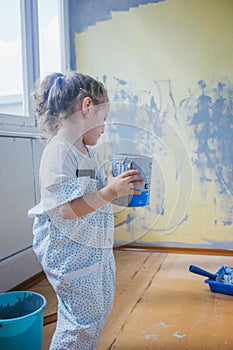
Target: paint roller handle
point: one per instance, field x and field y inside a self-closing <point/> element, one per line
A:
<point x="199" y="271"/>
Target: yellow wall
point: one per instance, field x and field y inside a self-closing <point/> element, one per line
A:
<point x="162" y="50"/>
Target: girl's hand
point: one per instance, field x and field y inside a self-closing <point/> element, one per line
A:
<point x="123" y="184"/>
<point x="118" y="186"/>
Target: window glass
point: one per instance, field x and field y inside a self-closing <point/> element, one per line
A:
<point x="50" y="57"/>
<point x="18" y="68"/>
<point x="11" y="87"/>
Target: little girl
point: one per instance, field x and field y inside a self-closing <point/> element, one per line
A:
<point x="73" y="226"/>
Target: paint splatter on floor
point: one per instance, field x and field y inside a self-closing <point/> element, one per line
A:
<point x="149" y="332"/>
<point x="150" y="335"/>
<point x="179" y="336"/>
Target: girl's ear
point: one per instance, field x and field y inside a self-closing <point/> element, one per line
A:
<point x="87" y="104"/>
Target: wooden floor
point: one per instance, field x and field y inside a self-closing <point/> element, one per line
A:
<point x="159" y="304"/>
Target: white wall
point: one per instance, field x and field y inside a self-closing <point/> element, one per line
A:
<point x="19" y="162"/>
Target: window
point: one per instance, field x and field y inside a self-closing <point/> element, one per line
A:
<point x="11" y="88"/>
<point x="30" y="45"/>
<point x="50" y="58"/>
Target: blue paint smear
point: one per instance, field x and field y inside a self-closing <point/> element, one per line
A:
<point x="227" y="222"/>
<point x="121" y="81"/>
<point x="126" y="221"/>
<point x="104" y="79"/>
<point x="211" y="122"/>
<point x="213" y="127"/>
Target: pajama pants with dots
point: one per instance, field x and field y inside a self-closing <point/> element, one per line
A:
<point x="84" y="281"/>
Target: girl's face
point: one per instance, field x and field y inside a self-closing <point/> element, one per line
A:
<point x="95" y="125"/>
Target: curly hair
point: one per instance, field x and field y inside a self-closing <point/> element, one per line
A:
<point x="56" y="96"/>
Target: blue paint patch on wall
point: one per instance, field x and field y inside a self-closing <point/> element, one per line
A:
<point x="208" y="118"/>
<point x="85" y="13"/>
<point x="89" y="12"/>
<point x="213" y="128"/>
<point x="212" y="124"/>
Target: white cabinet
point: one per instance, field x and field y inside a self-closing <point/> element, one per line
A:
<point x="19" y="161"/>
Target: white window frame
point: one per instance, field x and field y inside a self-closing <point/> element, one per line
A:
<point x="31" y="63"/>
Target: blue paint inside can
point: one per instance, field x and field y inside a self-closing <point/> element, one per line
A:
<point x="124" y="162"/>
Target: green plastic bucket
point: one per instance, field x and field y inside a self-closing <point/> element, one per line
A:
<point x="21" y="320"/>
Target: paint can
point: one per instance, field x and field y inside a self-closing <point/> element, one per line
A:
<point x="123" y="162"/>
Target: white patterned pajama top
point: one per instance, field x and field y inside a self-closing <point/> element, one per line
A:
<point x="77" y="254"/>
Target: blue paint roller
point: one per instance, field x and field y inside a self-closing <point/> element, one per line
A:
<point x="219" y="282"/>
<point x="199" y="271"/>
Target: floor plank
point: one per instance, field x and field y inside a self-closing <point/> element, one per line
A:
<point x="159" y="304"/>
<point x="47" y="335"/>
<point x="44" y="288"/>
<point x="176" y="311"/>
<point x="129" y="291"/>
